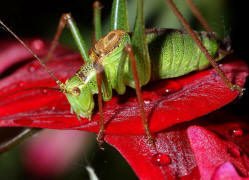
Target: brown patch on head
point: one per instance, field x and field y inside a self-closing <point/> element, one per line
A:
<point x="108" y="42"/>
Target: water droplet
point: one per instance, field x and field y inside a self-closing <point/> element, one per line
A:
<point x="34" y="66"/>
<point x="235" y="152"/>
<point x="37" y="44"/>
<point x="147" y="101"/>
<point x="21" y="83"/>
<point x="53" y="108"/>
<point x="237" y="132"/>
<point x="172" y="87"/>
<point x="161" y="159"/>
<point x="44" y="91"/>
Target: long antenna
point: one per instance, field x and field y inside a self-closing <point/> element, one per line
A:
<point x="32" y="52"/>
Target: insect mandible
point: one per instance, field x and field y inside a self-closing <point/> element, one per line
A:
<point x="121" y="58"/>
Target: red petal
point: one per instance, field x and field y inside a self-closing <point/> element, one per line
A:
<point x="195" y="153"/>
<point x="167" y="102"/>
<point x="141" y="157"/>
<point x="13" y="52"/>
<point x="211" y="152"/>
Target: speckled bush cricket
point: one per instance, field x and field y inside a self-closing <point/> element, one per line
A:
<point x="121" y="59"/>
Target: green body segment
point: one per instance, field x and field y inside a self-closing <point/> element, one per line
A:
<point x="173" y="53"/>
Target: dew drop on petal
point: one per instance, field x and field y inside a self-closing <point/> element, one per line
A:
<point x="37" y="44"/>
<point x="237" y="132"/>
<point x="172" y="87"/>
<point x="161" y="159"/>
<point x="235" y="152"/>
<point x="147" y="101"/>
<point x="53" y="108"/>
<point x="34" y="66"/>
<point x="44" y="91"/>
<point x="21" y="83"/>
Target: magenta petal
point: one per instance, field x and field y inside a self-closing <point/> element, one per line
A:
<point x="53" y="152"/>
<point x="227" y="172"/>
<point x="211" y="152"/>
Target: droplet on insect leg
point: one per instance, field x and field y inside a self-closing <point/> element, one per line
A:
<point x="237" y="132"/>
<point x="161" y="159"/>
<point x="37" y="45"/>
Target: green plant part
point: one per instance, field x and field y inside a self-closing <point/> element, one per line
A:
<point x="121" y="58"/>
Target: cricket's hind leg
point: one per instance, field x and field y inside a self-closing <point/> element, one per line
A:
<point x="227" y="82"/>
<point x="199" y="16"/>
<point x="226" y="48"/>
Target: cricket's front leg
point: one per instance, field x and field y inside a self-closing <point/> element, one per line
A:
<point x="67" y="19"/>
<point x="104" y="92"/>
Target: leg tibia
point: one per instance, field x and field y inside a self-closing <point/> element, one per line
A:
<point x="68" y="19"/>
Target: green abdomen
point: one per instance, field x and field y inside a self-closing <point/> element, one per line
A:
<point x="174" y="53"/>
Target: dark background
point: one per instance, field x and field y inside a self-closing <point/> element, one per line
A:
<point x="40" y="18"/>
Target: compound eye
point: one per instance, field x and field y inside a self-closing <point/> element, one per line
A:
<point x="76" y="91"/>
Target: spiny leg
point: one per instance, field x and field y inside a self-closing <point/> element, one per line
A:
<point x="203" y="22"/>
<point x="227" y="82"/>
<point x="104" y="93"/>
<point x="99" y="70"/>
<point x="129" y="50"/>
<point x="64" y="20"/>
<point x="198" y="15"/>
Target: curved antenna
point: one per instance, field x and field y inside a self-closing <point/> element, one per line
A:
<point x="32" y="52"/>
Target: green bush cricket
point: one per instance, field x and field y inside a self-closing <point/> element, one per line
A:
<point x="121" y="59"/>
